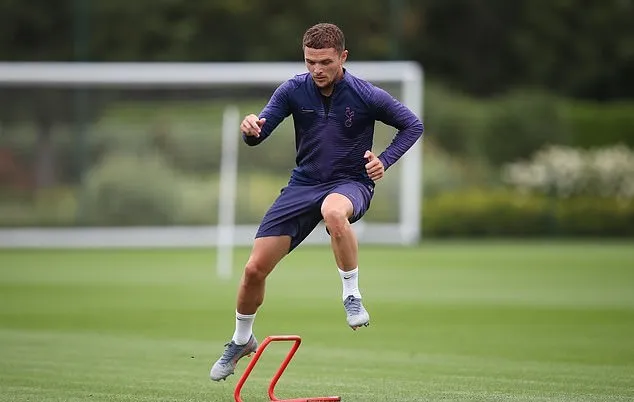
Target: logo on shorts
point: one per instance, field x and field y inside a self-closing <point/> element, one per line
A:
<point x="349" y="116"/>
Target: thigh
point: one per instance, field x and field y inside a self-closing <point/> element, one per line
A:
<point x="294" y="213"/>
<point x="359" y="194"/>
<point x="268" y="251"/>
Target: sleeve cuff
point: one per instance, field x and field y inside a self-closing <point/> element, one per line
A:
<point x="250" y="140"/>
<point x="384" y="162"/>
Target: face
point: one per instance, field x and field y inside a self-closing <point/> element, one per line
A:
<point x="324" y="65"/>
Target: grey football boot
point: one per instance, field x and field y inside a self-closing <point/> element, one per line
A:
<point x="226" y="365"/>
<point x="356" y="314"/>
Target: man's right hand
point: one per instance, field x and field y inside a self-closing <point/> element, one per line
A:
<point x="251" y="125"/>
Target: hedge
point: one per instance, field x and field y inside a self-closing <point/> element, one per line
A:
<point x="501" y="213"/>
<point x="594" y="124"/>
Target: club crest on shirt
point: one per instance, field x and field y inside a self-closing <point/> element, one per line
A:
<point x="349" y="115"/>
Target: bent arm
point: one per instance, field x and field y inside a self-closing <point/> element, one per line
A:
<point x="276" y="110"/>
<point x="392" y="112"/>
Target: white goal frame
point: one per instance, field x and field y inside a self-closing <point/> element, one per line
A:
<point x="408" y="75"/>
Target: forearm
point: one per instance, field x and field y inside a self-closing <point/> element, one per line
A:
<point x="276" y="110"/>
<point x="402" y="142"/>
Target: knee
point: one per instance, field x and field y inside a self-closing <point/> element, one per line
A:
<point x="333" y="216"/>
<point x="335" y="219"/>
<point x="255" y="271"/>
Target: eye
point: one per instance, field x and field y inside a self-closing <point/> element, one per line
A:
<point x="310" y="62"/>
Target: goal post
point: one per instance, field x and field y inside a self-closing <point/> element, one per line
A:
<point x="407" y="77"/>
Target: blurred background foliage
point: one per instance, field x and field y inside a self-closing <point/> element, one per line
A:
<point x="480" y="47"/>
<point x="516" y="93"/>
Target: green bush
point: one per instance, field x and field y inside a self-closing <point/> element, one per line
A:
<point x="444" y="172"/>
<point x="255" y="192"/>
<point x="191" y="147"/>
<point x="503" y="213"/>
<point x="52" y="207"/>
<point x="519" y="124"/>
<point x="515" y="125"/>
<point x="485" y="213"/>
<point x="498" y="130"/>
<point x="595" y="217"/>
<point x="594" y="124"/>
<point x="453" y="121"/>
<point x="126" y="189"/>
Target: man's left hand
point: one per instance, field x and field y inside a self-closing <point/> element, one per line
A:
<point x="374" y="167"/>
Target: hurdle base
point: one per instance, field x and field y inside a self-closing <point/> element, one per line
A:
<point x="278" y="338"/>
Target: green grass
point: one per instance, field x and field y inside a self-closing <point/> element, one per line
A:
<point x="532" y="321"/>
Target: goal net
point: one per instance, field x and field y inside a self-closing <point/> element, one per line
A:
<point x="149" y="154"/>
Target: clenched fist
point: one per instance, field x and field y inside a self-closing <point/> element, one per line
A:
<point x="374" y="167"/>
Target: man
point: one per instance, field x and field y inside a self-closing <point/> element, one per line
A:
<point x="334" y="114"/>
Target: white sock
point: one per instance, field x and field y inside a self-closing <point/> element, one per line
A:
<point x="350" y="281"/>
<point x="244" y="328"/>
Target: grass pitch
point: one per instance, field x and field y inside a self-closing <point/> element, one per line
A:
<point x="532" y="321"/>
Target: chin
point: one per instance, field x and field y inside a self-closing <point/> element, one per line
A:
<point x="322" y="84"/>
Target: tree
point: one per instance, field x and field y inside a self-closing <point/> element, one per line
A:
<point x="483" y="47"/>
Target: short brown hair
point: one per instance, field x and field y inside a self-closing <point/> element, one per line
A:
<point x="324" y="36"/>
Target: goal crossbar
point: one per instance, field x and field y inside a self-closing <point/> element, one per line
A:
<point x="183" y="74"/>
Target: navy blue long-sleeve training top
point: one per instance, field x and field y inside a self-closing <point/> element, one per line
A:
<point x="331" y="136"/>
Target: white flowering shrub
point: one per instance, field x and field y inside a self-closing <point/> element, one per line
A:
<point x="566" y="172"/>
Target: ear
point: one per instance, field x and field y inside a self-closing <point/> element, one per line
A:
<point x="344" y="56"/>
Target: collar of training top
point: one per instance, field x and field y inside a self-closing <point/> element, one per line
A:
<point x="338" y="84"/>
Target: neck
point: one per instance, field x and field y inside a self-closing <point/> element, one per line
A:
<point x="327" y="91"/>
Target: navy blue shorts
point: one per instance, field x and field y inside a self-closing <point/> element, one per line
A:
<point x="297" y="210"/>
